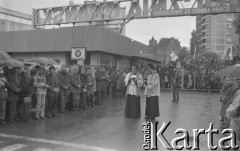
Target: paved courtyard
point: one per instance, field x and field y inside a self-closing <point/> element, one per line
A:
<point x="105" y="127"/>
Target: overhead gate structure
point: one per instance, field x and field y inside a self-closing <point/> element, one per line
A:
<point x="107" y="12"/>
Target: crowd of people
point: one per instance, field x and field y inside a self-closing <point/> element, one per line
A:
<point x="36" y="93"/>
<point x="194" y="75"/>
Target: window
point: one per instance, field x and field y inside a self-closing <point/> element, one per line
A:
<point x="17" y="26"/>
<point x="10" y="26"/>
<point x="108" y="61"/>
<point x="229" y="19"/>
<point x="10" y="18"/>
<point x="3" y="25"/>
<point x="220" y="40"/>
<point x="29" y="22"/>
<point x="220" y="48"/>
<point x="220" y="34"/>
<point x="220" y="26"/>
<point x="229" y="26"/>
<point x="228" y="33"/>
<point x="16" y="20"/>
<point x="229" y="40"/>
<point x="3" y="16"/>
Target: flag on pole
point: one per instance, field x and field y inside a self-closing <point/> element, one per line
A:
<point x="228" y="53"/>
<point x="173" y="56"/>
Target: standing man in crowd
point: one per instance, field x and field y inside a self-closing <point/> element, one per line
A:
<point x="84" y="95"/>
<point x="64" y="81"/>
<point x="27" y="93"/>
<point x="3" y="95"/>
<point x="40" y="92"/>
<point x="100" y="76"/>
<point x="91" y="81"/>
<point x="75" y="88"/>
<point x="15" y="87"/>
<point x="176" y="80"/>
<point x="52" y="93"/>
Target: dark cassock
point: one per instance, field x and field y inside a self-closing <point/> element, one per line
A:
<point x="134" y="82"/>
<point x="152" y="92"/>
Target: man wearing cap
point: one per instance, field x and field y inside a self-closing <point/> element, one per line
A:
<point x="52" y="93"/>
<point x="64" y="81"/>
<point x="15" y="87"/>
<point x="3" y="95"/>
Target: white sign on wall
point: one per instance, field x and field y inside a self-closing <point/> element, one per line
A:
<point x="78" y="53"/>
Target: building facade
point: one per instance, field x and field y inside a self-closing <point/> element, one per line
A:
<point x="216" y="32"/>
<point x="14" y="21"/>
<point x="103" y="47"/>
<point x="166" y="46"/>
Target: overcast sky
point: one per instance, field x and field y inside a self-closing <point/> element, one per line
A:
<point x="141" y="30"/>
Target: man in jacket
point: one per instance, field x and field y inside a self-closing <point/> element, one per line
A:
<point x="40" y="92"/>
<point x="99" y="85"/>
<point x="84" y="94"/>
<point x="75" y="88"/>
<point x="15" y="87"/>
<point x="27" y="92"/>
<point x="176" y="84"/>
<point x="3" y="95"/>
<point x="64" y="81"/>
<point x="52" y="93"/>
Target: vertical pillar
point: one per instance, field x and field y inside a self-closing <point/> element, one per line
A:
<point x="182" y="85"/>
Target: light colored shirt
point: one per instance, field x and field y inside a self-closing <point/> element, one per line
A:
<point x="38" y="82"/>
<point x="153" y="87"/>
<point x="132" y="88"/>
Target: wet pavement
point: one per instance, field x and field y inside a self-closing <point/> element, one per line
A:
<point x="105" y="127"/>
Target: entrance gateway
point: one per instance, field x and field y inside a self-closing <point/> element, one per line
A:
<point x="106" y="12"/>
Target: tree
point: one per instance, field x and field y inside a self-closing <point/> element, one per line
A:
<point x="193" y="42"/>
<point x="183" y="53"/>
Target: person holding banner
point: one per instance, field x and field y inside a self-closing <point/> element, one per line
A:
<point x="133" y="82"/>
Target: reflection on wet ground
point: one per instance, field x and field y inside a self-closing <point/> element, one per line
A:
<point x="106" y="127"/>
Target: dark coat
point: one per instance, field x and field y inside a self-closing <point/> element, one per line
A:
<point x="83" y="78"/>
<point x="3" y="89"/>
<point x="91" y="81"/>
<point x="99" y="81"/>
<point x="53" y="82"/>
<point x="176" y="78"/>
<point x="27" y="89"/>
<point x="15" y="86"/>
<point x="120" y="81"/>
<point x="75" y="81"/>
<point x="64" y="80"/>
